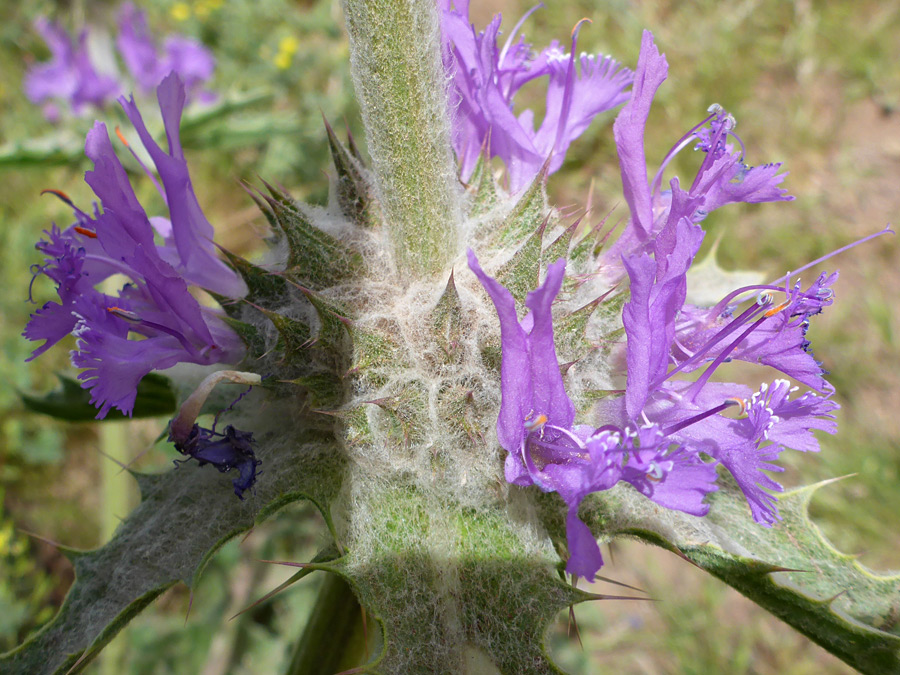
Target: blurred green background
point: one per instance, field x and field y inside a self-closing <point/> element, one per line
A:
<point x="813" y="84"/>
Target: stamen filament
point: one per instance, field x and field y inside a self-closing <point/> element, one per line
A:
<point x="683" y="142"/>
<point x="742" y="319"/>
<point x="512" y="36"/>
<point x="887" y="230"/>
<point x="702" y="416"/>
<point x="720" y="359"/>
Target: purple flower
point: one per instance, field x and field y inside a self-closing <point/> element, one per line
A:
<point x="536" y="429"/>
<point x="156" y="305"/>
<point x="486" y="79"/>
<point x="666" y="337"/>
<point x="72" y="77"/>
<point x="69" y="75"/>
<point x="722" y="177"/>
<point x="190" y="59"/>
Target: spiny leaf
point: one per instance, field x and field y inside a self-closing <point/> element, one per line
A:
<point x="353" y="193"/>
<point x="331" y="338"/>
<point x="529" y="212"/>
<point x="265" y="288"/>
<point x="325" y="391"/>
<point x="832" y="599"/>
<point x="250" y="335"/>
<point x="591" y="243"/>
<point x="314" y="256"/>
<point x="295" y="335"/>
<point x="155" y="397"/>
<point x="559" y="248"/>
<point x="484" y="187"/>
<point x="328" y="554"/>
<point x="569" y="331"/>
<point x="375" y="346"/>
<point x="521" y="273"/>
<point x="185" y="516"/>
<point x="449" y="322"/>
<point x="405" y="420"/>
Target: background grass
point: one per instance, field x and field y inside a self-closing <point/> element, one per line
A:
<point x="815" y="85"/>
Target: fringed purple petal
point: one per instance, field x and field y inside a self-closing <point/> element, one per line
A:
<point x="628" y="130"/>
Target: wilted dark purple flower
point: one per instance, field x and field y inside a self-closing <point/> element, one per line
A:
<point x="231" y="450"/>
<point x="193" y="62"/>
<point x="119" y="238"/>
<point x="486" y="79"/>
<point x="69" y="75"/>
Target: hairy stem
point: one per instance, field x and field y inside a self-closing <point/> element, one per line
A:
<point x="399" y="79"/>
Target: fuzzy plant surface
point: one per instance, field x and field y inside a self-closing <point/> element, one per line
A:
<point x="474" y="388"/>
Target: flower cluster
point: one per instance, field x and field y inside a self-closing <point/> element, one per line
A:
<point x="159" y="256"/>
<point x="486" y="79"/>
<point x="72" y="74"/>
<point x="666" y="436"/>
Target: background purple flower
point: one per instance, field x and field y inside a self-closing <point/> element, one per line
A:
<point x="193" y="62"/>
<point x="72" y="77"/>
<point x="69" y="75"/>
<point x="486" y="79"/>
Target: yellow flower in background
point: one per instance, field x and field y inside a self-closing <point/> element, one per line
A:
<point x="180" y="11"/>
<point x="287" y="47"/>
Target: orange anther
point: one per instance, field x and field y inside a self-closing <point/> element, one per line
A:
<point x="121" y="136"/>
<point x="536" y="423"/>
<point x="86" y="232"/>
<point x="775" y="310"/>
<point x="124" y="314"/>
<point x="578" y="25"/>
<point x="59" y="193"/>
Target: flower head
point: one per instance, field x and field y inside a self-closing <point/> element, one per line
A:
<point x="486" y="79"/>
<point x="69" y="75"/>
<point x="666" y="337"/>
<point x="667" y="435"/>
<point x="72" y="76"/>
<point x="545" y="448"/>
<point x="119" y="238"/>
<point x="191" y="60"/>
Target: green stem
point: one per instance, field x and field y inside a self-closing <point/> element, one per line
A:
<point x="399" y="80"/>
<point x="116" y="491"/>
<point x="333" y="639"/>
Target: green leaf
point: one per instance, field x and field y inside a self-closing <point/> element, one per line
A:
<point x="708" y="283"/>
<point x="788" y="569"/>
<point x="184" y="517"/>
<point x="155" y="397"/>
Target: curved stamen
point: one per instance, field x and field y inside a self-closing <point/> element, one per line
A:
<point x="682" y="143"/>
<point x="724" y="302"/>
<point x="742" y="319"/>
<point x="132" y="317"/>
<point x="887" y="230"/>
<point x="710" y="154"/>
<point x="702" y="416"/>
<point x="704" y="378"/>
<point x="512" y="36"/>
<point x="569" y="88"/>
